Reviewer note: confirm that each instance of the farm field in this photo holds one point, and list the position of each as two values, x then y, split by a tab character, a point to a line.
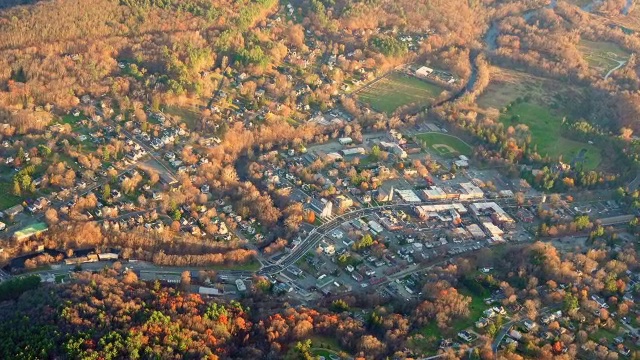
602	56
444	144
545	128
397	90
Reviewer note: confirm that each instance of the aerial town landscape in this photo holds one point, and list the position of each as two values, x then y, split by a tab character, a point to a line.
319	179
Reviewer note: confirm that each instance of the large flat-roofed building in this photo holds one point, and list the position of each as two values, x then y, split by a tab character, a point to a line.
494	211
202	290
434	193
494	231
408	195
476	231
470	191
353	151
443	212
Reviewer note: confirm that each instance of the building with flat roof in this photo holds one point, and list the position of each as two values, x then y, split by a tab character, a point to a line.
424	71
494	211
14	210
470	191
441	211
393	148
494	231
353	151
375	227
202	290
240	285
434	193
407	195
476	231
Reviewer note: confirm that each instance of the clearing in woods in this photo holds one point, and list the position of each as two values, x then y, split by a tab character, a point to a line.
541	104
602	56
396	90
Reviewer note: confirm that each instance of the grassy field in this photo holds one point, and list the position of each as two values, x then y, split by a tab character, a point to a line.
545	128
445	145
546	103
397	90
188	115
508	85
7	199
250	266
601	55
323	342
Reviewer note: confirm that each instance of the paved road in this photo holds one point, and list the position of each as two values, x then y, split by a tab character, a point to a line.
316	235
507	326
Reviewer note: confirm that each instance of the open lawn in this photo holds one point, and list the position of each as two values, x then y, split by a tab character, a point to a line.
541	104
323	342
398	90
601	55
508	85
187	115
604	334
545	128
7	199
250	266
444	144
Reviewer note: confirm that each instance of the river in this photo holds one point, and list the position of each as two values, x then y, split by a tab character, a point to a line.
627	7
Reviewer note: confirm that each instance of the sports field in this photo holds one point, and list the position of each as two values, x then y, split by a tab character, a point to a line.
545	128
444	144
398	90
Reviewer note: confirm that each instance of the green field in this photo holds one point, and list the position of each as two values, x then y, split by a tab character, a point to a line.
321	344
545	128
7	199
601	55
445	145
188	115
398	90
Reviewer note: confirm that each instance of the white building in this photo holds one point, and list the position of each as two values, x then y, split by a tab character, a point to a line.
435	193
408	195
209	291
470	191
353	151
345	140
424	71
240	285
